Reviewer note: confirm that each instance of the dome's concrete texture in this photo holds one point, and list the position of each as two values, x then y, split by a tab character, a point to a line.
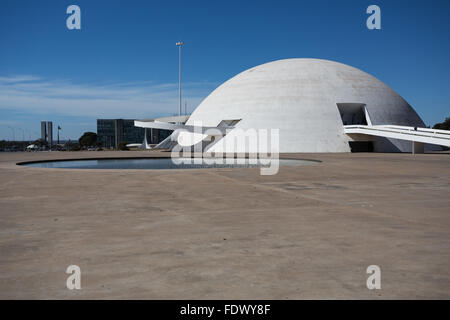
300	97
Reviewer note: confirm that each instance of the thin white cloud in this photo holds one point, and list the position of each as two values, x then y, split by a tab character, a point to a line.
5	123
36	95
18	78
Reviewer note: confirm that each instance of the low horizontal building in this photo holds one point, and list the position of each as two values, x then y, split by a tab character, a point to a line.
110	132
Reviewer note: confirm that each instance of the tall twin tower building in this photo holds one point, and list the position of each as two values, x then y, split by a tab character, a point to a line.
47	132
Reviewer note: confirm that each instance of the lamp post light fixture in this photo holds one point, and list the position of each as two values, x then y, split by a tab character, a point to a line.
179	44
14	132
23	134
29	134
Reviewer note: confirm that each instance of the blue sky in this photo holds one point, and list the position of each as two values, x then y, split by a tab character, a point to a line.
124	62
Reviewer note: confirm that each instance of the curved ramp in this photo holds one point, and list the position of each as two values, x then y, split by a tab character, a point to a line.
414	134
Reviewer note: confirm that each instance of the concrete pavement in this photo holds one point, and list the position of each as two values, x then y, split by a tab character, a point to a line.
307	232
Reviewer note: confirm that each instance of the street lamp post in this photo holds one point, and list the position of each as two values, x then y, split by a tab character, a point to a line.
14	132
179	44
23	134
29	135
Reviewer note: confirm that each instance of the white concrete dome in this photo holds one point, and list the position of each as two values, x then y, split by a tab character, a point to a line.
300	97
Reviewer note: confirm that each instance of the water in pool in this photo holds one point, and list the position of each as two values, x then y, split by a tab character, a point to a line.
157	163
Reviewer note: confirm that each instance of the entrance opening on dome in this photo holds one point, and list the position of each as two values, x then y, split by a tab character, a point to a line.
353	113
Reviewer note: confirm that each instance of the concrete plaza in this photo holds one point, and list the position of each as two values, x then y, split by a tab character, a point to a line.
307	232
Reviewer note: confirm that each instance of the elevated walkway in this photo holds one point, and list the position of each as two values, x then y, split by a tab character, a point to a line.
416	135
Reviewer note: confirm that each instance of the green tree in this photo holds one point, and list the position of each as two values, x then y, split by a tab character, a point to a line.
88	139
443	125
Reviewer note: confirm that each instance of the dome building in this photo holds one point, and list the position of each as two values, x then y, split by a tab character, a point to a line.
308	100
317	105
